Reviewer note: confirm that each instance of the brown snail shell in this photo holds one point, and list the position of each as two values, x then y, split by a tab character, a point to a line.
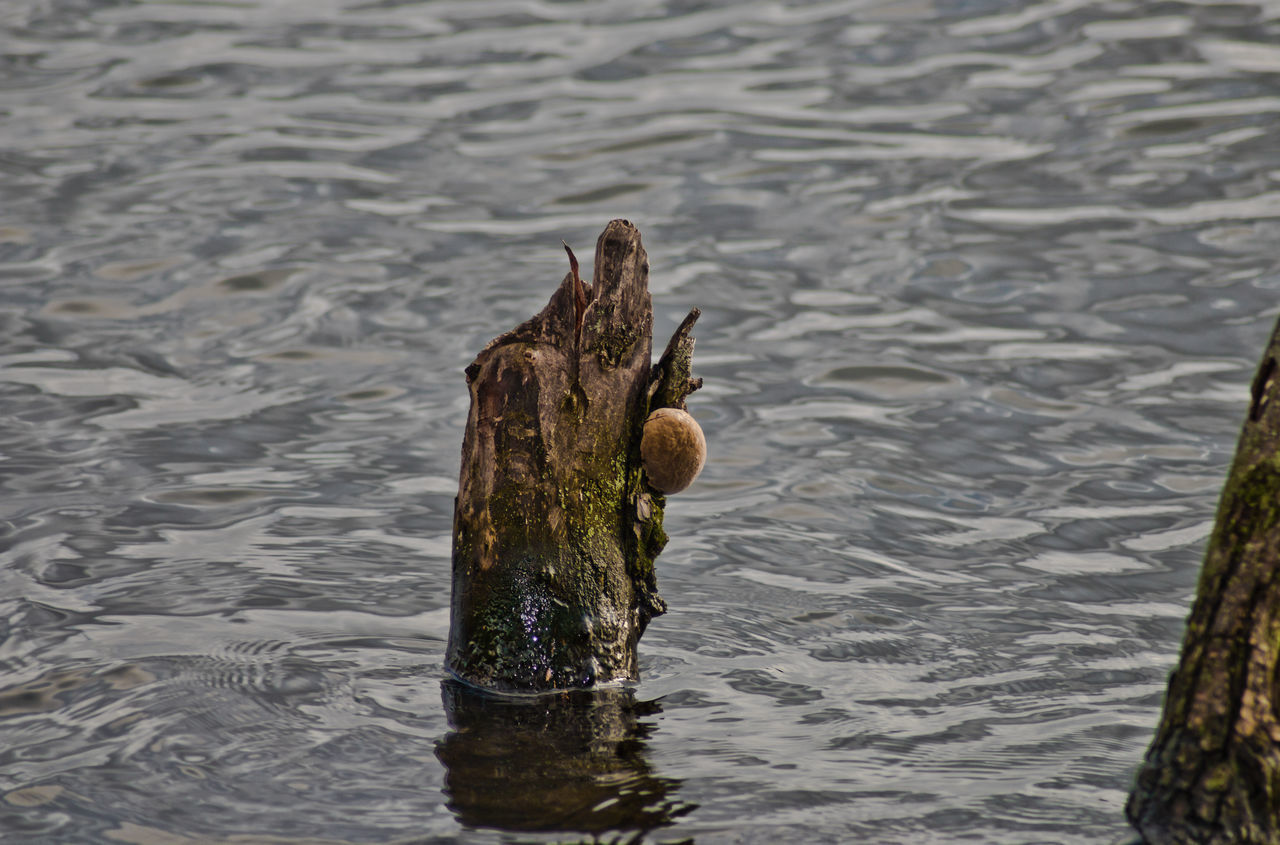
672	449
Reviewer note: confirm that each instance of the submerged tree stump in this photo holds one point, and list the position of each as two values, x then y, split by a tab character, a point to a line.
555	529
1212	774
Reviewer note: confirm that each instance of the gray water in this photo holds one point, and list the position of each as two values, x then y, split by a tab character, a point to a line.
983	285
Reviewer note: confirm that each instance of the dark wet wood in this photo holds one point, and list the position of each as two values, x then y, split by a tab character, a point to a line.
1212	774
554	532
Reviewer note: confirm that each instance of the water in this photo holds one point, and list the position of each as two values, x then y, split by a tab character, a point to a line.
983	287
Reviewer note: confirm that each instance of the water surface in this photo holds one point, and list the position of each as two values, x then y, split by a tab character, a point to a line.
983	287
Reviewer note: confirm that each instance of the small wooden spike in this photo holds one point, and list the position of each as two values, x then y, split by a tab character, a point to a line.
579	294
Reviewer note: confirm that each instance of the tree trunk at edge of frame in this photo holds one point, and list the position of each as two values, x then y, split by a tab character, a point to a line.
1212	774
555	528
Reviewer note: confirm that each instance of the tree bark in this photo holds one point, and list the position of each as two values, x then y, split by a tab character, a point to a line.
555	532
1212	774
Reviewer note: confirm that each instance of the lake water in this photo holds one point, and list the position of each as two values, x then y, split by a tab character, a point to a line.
983	284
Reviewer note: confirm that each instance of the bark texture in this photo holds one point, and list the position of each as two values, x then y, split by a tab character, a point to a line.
1212	774
555	532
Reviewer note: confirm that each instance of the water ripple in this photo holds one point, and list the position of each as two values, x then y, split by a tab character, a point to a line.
983	287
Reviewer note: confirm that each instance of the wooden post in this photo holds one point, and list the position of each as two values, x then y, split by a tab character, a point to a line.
1212	774
555	529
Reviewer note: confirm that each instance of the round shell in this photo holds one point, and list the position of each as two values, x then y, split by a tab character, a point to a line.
672	449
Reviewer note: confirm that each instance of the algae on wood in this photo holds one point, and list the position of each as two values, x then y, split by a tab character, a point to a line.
555	532
1212	774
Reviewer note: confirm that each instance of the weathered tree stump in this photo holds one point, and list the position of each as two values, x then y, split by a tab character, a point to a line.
555	529
1212	774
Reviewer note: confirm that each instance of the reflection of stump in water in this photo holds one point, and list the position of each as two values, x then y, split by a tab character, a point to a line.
572	761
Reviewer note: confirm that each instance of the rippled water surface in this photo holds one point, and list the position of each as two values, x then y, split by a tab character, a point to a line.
983	287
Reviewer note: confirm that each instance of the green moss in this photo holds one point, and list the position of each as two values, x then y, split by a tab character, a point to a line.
1218	778
1258	498
532	620
1249	511
675	383
615	344
563	612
